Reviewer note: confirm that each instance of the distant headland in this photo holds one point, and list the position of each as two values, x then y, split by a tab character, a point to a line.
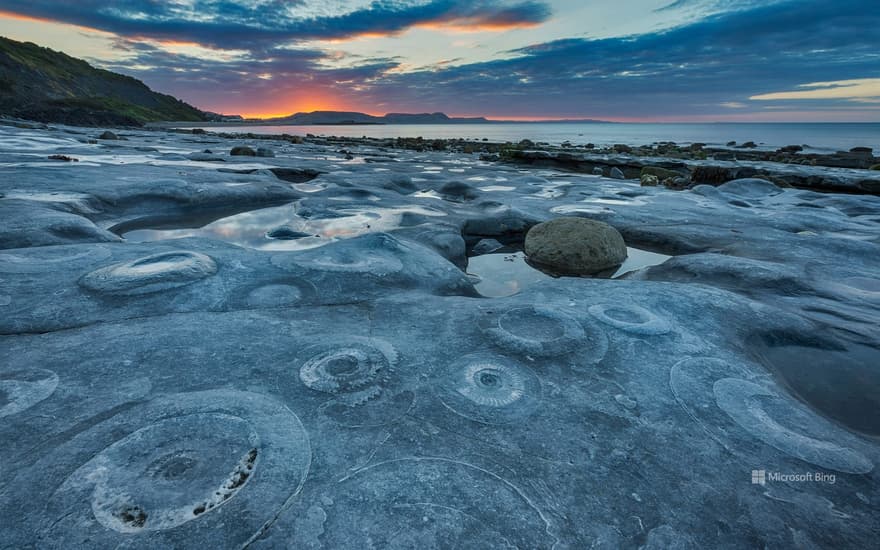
351	118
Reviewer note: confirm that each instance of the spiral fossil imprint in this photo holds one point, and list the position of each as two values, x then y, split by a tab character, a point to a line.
488	389
726	399
196	459
538	331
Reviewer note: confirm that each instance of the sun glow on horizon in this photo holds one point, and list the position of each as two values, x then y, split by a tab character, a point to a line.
297	104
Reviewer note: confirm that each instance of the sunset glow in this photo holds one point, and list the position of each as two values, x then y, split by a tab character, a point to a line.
508	59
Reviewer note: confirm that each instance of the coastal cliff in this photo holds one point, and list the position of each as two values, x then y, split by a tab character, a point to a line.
41	84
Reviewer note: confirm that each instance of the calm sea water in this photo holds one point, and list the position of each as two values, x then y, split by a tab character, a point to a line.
822	137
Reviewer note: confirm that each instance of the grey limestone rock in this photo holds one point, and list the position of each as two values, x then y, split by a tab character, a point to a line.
178	371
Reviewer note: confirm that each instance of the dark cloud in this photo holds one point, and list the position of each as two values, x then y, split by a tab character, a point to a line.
716	5
688	70
255	23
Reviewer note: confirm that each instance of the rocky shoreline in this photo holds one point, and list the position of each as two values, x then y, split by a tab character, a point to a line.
275	341
676	167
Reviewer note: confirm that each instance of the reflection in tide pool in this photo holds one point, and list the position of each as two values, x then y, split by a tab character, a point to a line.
245	229
842	384
506	274
503	274
250	229
637	259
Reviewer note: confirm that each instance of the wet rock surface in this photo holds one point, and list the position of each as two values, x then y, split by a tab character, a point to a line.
846	174
287	352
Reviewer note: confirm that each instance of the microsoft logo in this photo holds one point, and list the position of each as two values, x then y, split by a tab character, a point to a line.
759	477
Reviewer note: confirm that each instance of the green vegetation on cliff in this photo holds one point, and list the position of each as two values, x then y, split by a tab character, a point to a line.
41	84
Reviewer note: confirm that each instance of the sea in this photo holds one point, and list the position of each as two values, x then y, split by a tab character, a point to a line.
814	137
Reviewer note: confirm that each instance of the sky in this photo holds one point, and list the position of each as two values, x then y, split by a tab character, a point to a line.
621	60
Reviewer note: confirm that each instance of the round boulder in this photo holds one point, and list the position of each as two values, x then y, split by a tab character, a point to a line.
242	151
575	246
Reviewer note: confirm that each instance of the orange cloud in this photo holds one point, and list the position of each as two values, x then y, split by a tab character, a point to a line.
166	43
19	17
452	24
31	19
475	25
366	35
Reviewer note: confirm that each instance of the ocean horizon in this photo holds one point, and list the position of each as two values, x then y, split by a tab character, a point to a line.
821	137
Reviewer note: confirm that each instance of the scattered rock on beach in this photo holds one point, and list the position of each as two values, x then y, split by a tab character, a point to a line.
108	135
617	173
576	246
724	156
713	175
242	151
264	152
660	173
494	219
205	156
486	246
458	192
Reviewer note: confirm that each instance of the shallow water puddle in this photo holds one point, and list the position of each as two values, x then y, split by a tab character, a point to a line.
490	188
616	202
637	259
253	229
503	274
582	209
842	384
506	274
427	194
245	229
